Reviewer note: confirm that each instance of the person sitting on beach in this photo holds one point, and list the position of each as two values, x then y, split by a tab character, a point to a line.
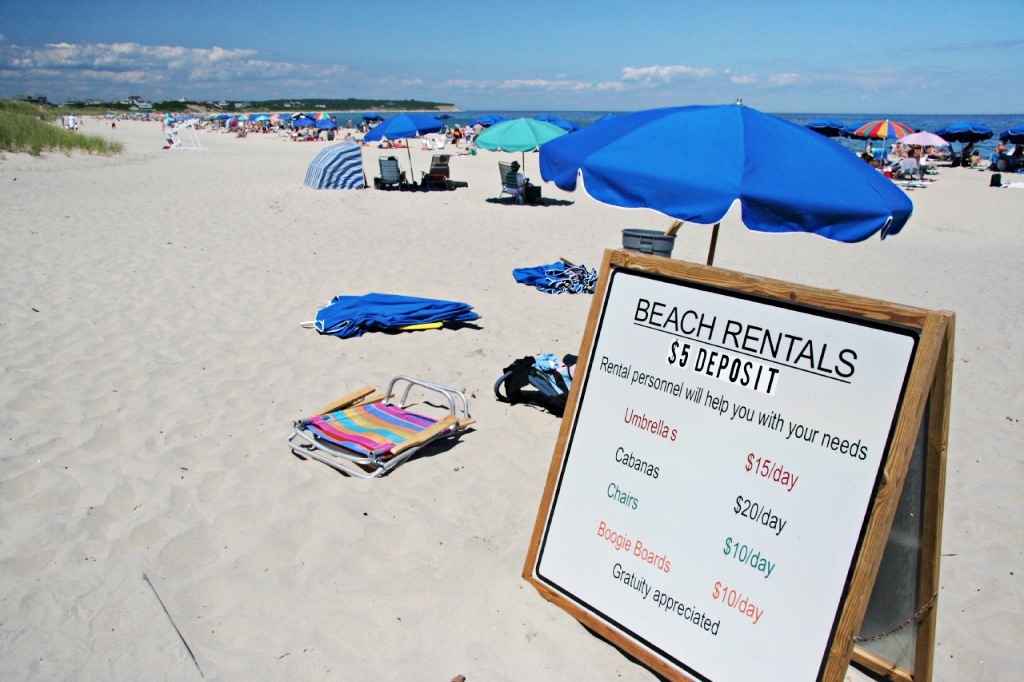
519	191
1015	161
869	159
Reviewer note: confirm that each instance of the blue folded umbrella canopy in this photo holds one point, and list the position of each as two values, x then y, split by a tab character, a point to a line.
349	316
692	163
558	277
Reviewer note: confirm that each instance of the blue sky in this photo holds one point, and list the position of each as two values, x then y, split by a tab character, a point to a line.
854	56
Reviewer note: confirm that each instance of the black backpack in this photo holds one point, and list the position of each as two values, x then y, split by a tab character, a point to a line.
996	180
550	388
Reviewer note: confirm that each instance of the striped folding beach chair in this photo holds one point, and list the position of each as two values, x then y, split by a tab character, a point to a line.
366	435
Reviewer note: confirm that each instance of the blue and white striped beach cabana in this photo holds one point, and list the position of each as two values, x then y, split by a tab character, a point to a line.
339	166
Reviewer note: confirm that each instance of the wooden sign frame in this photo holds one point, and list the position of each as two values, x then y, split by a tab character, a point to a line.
920	421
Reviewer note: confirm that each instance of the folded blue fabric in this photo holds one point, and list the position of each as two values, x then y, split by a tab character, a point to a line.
558	277
349	316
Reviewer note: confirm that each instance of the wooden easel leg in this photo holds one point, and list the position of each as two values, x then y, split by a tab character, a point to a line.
714	243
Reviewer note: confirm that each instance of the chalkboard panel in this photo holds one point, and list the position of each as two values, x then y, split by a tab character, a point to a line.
711	492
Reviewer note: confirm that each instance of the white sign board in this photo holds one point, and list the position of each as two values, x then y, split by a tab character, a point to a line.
717	477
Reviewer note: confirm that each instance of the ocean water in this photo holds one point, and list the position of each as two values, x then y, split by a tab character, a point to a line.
930	123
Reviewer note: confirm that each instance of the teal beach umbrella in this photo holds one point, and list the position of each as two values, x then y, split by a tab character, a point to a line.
518	135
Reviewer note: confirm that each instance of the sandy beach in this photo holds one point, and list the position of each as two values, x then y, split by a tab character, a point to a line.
154	360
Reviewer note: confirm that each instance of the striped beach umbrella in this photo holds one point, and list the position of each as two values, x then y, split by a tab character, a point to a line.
882	130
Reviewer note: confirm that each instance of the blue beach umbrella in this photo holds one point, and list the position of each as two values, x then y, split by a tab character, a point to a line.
1014	135
489	120
759	160
402	127
561	123
829	127
964	132
848	130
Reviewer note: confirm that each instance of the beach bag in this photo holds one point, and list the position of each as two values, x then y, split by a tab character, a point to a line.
996	180
542	380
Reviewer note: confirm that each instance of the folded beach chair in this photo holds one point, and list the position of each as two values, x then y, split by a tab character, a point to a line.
367	436
439	173
390	174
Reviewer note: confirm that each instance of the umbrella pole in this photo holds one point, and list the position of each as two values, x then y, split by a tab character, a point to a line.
714	243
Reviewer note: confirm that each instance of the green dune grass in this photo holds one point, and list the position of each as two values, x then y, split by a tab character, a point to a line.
25	128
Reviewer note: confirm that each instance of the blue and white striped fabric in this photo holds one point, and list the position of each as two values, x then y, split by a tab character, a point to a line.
339	166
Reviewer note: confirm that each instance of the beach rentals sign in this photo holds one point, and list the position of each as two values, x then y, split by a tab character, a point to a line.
730	466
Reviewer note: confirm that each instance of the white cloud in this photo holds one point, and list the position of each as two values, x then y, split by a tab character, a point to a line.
665	74
465	84
542	84
783	79
86	68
